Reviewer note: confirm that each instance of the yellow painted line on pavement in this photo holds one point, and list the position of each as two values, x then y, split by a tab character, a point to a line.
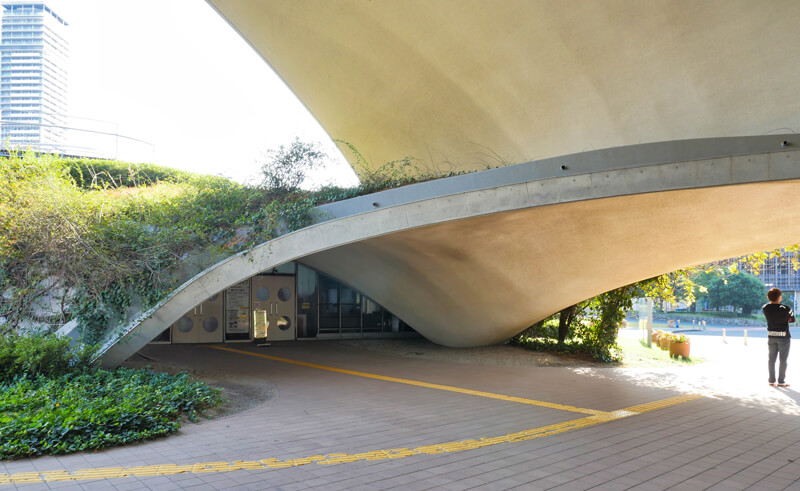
596	417
652	406
336	458
417	383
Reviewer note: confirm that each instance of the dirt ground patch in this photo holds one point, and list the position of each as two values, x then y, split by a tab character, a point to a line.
498	355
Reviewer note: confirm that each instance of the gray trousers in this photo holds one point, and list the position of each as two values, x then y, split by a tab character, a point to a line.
778	346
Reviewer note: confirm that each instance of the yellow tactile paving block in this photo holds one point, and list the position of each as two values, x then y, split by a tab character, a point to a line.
273	463
335	458
596	417
417	383
652	406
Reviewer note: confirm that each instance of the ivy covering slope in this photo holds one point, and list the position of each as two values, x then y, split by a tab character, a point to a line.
98	247
100	241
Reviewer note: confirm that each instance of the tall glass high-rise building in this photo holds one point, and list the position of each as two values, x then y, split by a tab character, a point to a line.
33	77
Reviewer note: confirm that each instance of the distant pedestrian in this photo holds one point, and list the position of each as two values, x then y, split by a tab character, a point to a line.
779	338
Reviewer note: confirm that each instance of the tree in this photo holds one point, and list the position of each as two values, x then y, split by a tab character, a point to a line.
565	319
599	335
288	167
742	290
287	207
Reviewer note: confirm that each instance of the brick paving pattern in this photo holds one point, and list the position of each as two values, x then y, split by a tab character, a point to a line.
741	434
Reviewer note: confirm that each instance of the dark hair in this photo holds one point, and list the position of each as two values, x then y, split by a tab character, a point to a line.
774	294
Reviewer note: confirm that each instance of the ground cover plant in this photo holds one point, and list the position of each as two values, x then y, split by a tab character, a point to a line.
53	400
98	247
98	241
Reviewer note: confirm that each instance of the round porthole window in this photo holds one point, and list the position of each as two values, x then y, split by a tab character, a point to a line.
211	324
262	293
284	294
284	323
184	324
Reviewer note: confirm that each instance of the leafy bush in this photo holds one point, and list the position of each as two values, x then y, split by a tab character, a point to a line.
74	412
53	400
47	356
599	335
592	332
111	247
544	329
93	174
288	167
571	346
388	175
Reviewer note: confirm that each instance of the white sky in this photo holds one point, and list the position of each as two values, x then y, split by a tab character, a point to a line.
174	74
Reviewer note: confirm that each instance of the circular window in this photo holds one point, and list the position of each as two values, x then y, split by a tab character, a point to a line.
211	324
213	297
284	323
184	324
284	294
262	293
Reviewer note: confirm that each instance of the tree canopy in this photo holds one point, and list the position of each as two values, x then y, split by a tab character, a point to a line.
742	290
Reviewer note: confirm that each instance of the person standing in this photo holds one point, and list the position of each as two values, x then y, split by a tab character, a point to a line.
779	338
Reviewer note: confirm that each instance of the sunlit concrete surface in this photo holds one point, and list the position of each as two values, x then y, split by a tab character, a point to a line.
466	83
324	428
475	267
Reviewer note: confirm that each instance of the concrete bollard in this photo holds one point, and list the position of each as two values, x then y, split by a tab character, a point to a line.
745	337
723	336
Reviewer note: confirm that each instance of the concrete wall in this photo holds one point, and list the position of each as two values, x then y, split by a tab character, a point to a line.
478	266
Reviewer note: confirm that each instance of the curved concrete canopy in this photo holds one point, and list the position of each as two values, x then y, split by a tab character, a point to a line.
466	83
476	267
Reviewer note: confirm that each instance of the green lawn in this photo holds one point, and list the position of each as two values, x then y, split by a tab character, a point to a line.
636	354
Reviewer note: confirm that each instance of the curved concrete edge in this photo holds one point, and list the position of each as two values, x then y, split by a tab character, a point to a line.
608	159
481	280
723	171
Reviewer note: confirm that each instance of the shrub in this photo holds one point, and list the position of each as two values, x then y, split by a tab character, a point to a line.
53	400
593	330
545	330
288	167
111	246
47	356
74	412
91	174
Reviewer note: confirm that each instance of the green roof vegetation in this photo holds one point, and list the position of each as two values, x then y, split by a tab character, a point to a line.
100	241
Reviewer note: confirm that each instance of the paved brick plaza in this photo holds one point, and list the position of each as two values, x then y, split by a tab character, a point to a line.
345	418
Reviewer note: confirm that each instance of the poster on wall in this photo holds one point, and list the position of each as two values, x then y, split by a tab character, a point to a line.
238	310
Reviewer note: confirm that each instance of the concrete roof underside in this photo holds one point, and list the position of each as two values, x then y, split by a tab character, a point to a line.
476	266
468	83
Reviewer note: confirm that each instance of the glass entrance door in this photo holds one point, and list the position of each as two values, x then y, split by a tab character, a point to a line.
274	297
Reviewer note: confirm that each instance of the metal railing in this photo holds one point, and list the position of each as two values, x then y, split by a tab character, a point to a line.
78	141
